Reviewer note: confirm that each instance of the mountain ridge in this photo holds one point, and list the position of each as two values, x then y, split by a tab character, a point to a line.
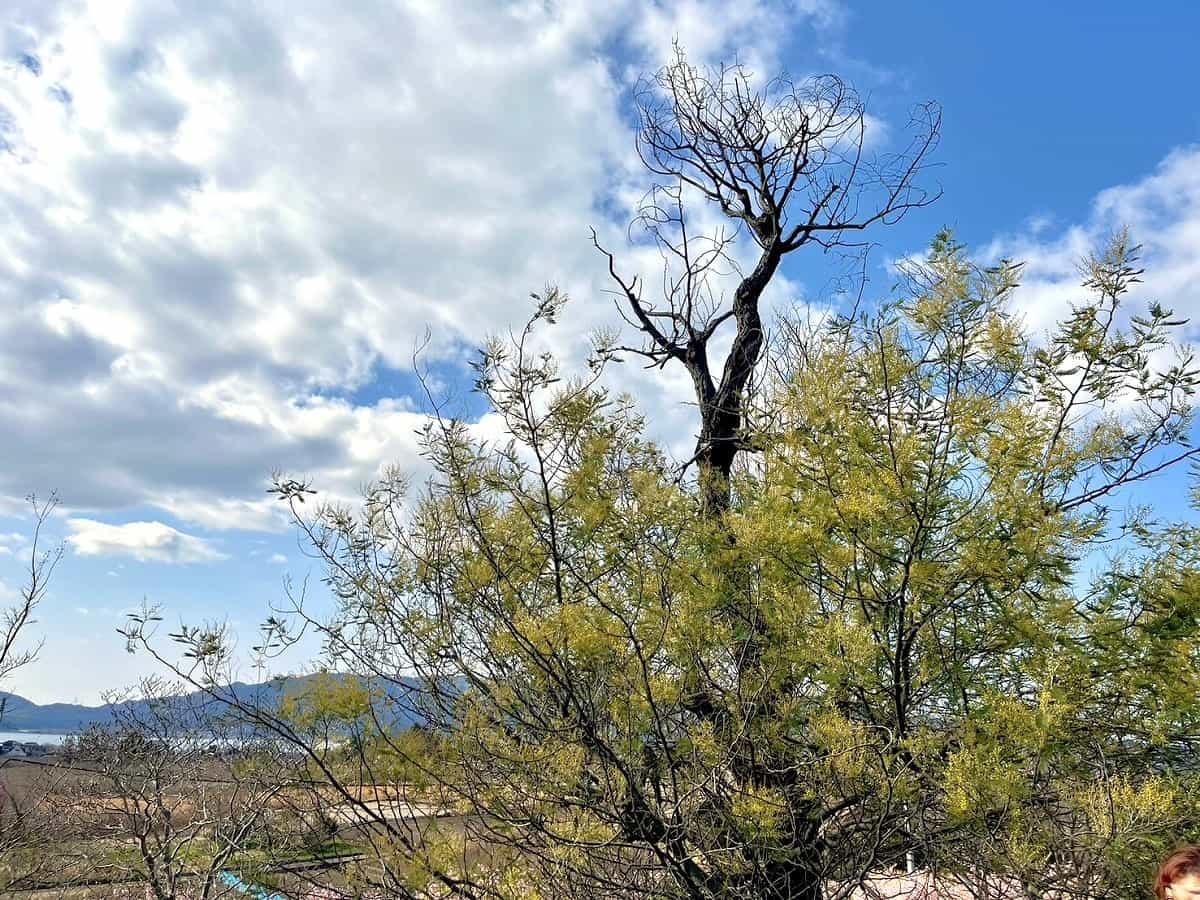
18	714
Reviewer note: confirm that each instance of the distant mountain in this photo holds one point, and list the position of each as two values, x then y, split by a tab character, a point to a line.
19	714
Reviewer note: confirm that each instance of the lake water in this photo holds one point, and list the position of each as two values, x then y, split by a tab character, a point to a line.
35	737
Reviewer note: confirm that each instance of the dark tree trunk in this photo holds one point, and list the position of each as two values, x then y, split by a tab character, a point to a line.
722	407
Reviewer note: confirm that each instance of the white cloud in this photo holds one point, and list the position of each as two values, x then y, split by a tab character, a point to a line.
144	541
277	558
1162	211
224	221
709	29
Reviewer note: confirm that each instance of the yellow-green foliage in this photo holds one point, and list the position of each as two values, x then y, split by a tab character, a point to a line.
888	637
979	781
327	698
439	852
1122	808
758	813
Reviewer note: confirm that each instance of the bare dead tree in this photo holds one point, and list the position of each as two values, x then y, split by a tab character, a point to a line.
786	163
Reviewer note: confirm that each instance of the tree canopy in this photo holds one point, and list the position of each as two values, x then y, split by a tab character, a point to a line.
909	637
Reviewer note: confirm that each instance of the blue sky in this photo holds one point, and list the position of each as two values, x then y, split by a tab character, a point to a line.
226	226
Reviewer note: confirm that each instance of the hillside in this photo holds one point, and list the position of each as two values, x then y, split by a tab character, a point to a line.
20	714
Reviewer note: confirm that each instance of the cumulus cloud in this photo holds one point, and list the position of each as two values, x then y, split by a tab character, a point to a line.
707	29
1161	211
224	225
144	541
